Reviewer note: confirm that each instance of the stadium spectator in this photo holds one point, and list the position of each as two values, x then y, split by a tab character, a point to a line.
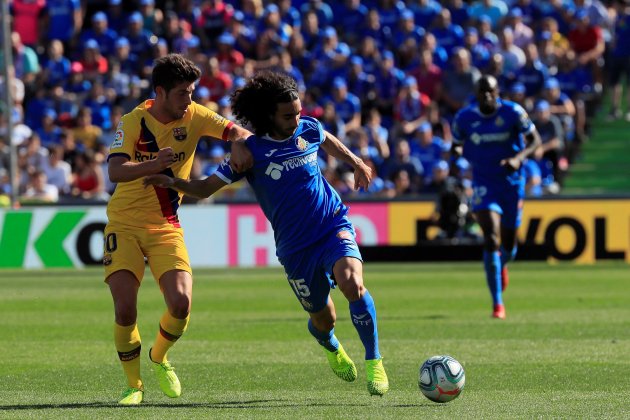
58	171
101	33
494	10
49	132
410	109
85	132
88	181
64	19
39	190
459	82
523	34
217	81
620	60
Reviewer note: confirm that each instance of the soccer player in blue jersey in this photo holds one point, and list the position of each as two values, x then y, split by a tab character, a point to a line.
315	241
496	136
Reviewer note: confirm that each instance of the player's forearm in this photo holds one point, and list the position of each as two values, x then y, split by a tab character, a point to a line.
198	188
130	171
236	133
335	148
533	143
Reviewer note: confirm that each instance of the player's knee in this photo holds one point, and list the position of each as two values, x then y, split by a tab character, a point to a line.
353	288
491	242
125	313
179	307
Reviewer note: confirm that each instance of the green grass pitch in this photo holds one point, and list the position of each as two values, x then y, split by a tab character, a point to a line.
562	352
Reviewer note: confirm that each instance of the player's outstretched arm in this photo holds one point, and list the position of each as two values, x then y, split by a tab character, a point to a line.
335	148
198	188
121	169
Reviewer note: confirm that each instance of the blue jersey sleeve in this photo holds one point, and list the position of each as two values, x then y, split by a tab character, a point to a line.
524	124
225	172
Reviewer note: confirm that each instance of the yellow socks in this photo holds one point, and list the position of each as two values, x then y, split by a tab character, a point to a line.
170	330
128	345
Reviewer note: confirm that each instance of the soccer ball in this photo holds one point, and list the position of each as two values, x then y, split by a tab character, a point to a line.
441	378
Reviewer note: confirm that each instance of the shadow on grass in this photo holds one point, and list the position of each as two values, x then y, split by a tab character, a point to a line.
274	403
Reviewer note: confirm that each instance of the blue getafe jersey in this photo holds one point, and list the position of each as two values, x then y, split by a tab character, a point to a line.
489	139
290	188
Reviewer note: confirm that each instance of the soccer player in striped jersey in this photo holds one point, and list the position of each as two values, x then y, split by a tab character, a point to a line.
496	136
315	241
159	136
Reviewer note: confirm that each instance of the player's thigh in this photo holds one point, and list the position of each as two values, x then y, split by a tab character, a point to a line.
512	205
166	251
122	251
342	260
307	278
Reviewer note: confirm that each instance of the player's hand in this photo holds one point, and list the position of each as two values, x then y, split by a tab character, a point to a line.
511	164
165	158
159	180
362	176
241	158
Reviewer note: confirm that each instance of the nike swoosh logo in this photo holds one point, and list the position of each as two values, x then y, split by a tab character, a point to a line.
271	152
146	142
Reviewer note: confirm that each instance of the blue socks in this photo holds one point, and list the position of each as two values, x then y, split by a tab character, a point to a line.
506	257
363	315
492	265
327	340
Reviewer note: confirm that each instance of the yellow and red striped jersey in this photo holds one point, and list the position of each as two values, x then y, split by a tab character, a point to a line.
139	136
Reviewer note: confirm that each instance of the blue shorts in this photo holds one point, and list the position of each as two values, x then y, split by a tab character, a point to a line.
310	271
505	199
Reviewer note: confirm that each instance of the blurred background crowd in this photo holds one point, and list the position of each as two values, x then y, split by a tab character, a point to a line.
385	76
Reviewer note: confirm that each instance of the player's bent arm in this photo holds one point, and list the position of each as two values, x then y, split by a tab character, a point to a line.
362	173
121	169
198	188
532	142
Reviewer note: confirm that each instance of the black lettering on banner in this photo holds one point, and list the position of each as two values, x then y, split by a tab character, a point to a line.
601	253
580	239
83	243
532	229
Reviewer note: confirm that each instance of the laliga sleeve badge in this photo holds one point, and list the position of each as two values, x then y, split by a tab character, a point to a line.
107	259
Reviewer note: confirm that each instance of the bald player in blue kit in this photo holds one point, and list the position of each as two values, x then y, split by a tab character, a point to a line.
315	241
496	136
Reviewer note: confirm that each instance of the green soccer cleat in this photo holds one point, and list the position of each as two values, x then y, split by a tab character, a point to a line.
131	396
341	364
169	383
377	383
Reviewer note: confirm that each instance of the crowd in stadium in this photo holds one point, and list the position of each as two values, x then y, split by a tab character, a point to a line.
385	76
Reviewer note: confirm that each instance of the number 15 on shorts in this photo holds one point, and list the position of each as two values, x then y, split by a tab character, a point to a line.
299	287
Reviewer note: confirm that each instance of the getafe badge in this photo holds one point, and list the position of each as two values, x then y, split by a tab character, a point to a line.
499	122
179	133
301	143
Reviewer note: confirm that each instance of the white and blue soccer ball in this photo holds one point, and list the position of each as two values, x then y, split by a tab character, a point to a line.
441	379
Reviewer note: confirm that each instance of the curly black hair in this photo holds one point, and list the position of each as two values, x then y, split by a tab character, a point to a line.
173	69
258	100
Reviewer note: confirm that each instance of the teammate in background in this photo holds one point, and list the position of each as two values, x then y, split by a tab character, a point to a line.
158	136
315	241
496	136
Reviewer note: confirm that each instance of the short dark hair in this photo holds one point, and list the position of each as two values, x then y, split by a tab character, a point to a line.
173	69
258	100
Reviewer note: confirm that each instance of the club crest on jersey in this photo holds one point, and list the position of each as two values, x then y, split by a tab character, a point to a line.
499	122
301	143
179	133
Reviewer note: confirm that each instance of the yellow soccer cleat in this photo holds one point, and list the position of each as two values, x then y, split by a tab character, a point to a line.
169	383
377	383
131	396
341	364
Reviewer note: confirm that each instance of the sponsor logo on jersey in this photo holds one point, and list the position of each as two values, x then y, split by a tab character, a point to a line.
143	157
119	137
274	170
489	137
301	143
179	133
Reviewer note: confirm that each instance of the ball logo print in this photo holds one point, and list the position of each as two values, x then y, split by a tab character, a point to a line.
441	379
